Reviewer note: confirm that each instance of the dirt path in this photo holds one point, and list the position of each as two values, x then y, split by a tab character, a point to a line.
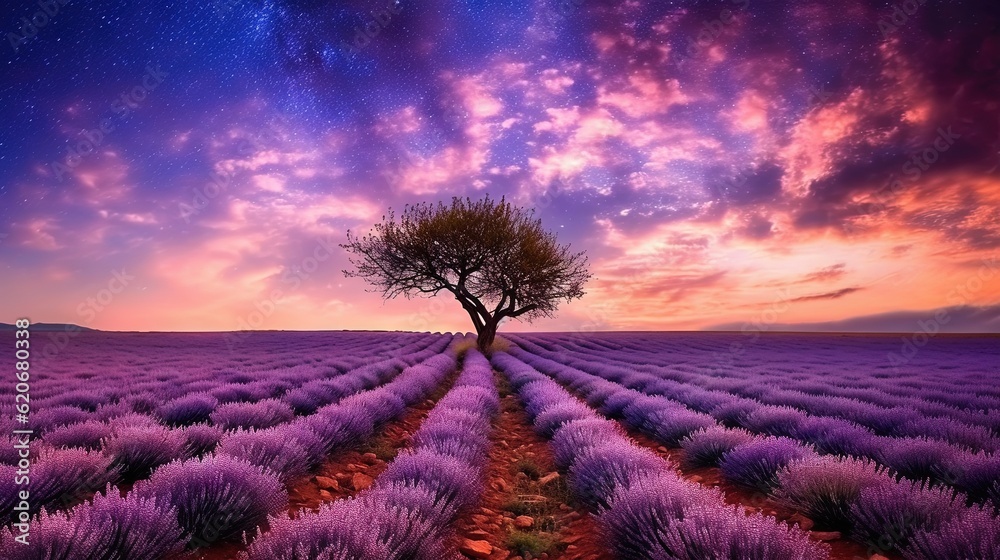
753	502
526	510
346	472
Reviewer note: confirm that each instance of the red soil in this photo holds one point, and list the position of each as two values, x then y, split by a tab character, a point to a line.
752	502
353	470
571	531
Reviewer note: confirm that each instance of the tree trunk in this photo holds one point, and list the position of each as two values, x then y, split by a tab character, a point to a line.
486	336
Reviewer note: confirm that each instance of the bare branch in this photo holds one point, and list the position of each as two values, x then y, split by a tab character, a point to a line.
493	257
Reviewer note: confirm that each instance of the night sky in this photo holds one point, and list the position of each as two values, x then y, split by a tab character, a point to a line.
191	165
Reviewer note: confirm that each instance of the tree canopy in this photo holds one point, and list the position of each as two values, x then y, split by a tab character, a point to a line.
493	257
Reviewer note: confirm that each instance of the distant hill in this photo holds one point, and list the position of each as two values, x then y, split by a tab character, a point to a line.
48	327
961	319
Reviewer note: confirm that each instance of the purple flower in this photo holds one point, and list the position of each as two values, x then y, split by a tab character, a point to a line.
130	527
920	459
85	435
260	414
599	471
53	536
979	477
824	488
201	438
64	477
576	436
549	420
338	426
887	515
360	528
189	409
270	449
232	393
137	450
216	497
669	422
775	420
726	533
974	535
455	484
639	513
705	447
48	419
734	414
456	440
756	464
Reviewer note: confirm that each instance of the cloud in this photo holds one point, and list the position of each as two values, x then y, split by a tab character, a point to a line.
832	272
829	295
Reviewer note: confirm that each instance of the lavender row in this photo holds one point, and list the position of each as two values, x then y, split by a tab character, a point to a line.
843	494
134	445
917	458
973	398
406	512
643	507
952	370
192	503
891	415
186	396
96	368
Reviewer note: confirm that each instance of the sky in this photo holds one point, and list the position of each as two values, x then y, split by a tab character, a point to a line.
737	164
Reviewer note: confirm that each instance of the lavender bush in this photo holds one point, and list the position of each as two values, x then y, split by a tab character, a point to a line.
85	435
599	470
705	447
756	464
189	409
260	414
216	498
719	533
272	450
887	515
824	488
137	450
577	436
201	438
64	477
975	534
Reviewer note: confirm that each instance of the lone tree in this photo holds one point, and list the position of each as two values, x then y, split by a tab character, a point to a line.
495	259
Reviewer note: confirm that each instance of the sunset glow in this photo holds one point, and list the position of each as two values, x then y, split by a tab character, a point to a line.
795	164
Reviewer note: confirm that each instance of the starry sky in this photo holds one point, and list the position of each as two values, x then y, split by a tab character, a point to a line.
789	165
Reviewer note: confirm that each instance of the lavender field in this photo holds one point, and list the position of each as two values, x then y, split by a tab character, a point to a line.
369	445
